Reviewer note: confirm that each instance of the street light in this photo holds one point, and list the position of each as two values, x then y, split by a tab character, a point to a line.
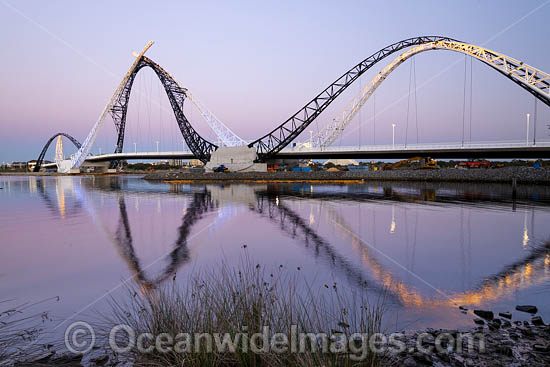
527	134
135	147
183	145
393	135
99	150
157	146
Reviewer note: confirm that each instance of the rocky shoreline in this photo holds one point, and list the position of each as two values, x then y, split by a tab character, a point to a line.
524	175
505	343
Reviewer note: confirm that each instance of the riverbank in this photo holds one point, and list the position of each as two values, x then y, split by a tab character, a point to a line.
525	175
498	342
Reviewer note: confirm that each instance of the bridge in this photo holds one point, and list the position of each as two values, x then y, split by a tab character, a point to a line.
276	143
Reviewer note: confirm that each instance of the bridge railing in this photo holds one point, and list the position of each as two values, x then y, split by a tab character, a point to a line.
421	146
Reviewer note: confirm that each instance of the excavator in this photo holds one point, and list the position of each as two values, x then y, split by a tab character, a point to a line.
423	163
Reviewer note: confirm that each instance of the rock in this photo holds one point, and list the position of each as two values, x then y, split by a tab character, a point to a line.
505	350
527	308
537	321
493	325
506	324
422	358
100	361
506	315
487	315
68	359
462	308
44	357
409	362
541	348
479	321
527	332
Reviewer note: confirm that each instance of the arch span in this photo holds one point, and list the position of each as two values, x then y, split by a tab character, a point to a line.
535	81
200	147
40	158
117	107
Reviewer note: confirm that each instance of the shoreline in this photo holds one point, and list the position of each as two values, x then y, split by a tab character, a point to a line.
521	175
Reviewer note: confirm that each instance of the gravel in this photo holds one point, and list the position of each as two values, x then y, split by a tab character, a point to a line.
503	175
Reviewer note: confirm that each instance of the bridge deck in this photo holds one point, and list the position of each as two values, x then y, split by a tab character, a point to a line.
505	150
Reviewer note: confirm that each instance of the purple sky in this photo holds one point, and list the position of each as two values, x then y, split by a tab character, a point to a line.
255	63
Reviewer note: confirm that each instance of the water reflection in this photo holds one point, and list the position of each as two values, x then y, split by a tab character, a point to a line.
319	220
179	256
269	202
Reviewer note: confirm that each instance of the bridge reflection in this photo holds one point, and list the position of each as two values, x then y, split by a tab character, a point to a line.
272	202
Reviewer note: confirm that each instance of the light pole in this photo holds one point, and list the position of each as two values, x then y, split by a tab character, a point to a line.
157	146
135	147
183	145
527	134
393	135
99	150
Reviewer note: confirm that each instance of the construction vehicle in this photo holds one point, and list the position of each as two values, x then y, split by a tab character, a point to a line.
420	163
221	168
474	164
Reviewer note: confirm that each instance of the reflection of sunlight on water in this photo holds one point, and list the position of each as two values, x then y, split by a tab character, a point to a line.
392	225
525	232
520	276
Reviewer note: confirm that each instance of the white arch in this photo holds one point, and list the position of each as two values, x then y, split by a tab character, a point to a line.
224	134
527	76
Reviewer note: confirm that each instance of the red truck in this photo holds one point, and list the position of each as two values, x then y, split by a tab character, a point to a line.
474	164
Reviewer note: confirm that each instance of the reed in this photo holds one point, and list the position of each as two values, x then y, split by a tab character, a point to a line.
249	297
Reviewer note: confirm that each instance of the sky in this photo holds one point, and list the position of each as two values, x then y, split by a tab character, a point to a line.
255	63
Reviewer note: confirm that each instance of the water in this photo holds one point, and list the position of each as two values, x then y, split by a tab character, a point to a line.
431	247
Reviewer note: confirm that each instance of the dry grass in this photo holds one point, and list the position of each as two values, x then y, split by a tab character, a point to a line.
229	299
18	331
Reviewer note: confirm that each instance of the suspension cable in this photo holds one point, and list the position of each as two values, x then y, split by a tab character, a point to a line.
360	112
408	106
415	100
149	94
464	101
535	124
374	119
471	94
160	117
139	107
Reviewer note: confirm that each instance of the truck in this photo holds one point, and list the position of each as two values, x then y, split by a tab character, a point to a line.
474	164
221	168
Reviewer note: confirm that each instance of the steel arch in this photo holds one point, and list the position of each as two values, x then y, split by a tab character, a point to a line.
43	152
531	79
200	147
524	75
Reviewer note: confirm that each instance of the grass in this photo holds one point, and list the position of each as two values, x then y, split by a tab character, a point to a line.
248	297
18	332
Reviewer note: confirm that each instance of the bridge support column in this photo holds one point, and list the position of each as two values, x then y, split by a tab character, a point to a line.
96	167
237	159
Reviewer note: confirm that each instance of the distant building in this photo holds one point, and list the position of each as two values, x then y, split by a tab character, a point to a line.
342	162
19	165
176	162
160	163
31	165
196	163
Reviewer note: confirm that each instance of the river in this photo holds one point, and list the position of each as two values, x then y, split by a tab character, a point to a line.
426	247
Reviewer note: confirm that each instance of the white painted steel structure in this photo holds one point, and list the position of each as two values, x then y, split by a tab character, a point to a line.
388	148
533	78
225	135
